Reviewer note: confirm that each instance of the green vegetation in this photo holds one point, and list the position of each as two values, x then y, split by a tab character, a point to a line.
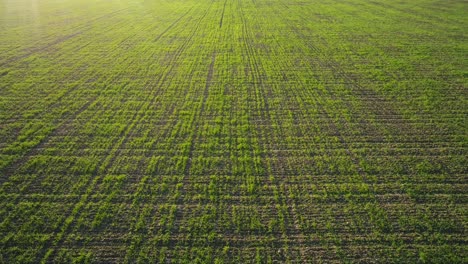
233	131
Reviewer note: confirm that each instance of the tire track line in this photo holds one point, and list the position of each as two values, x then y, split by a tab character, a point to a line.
273	181
172	25
10	169
81	28
195	135
222	15
174	59
50	251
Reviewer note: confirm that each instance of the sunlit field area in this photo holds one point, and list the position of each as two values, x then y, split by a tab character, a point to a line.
233	131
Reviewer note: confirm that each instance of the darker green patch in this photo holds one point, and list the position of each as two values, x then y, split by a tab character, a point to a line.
4	73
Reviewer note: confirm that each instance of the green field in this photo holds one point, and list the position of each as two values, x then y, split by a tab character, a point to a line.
233	131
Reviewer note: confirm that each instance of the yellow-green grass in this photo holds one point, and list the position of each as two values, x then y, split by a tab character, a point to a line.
233	131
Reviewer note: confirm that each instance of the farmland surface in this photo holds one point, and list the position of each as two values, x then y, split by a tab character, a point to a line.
233	131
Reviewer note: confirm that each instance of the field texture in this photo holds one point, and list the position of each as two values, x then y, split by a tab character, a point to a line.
233	131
